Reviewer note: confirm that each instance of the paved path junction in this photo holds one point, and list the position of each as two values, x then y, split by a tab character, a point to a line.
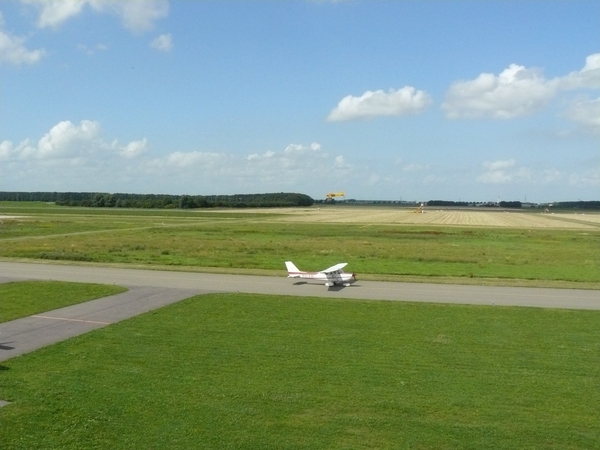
151	289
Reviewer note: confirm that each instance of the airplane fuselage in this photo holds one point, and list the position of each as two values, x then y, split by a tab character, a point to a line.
334	276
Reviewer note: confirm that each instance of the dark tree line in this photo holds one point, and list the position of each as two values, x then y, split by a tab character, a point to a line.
515	204
578	205
104	200
446	203
581	205
281	199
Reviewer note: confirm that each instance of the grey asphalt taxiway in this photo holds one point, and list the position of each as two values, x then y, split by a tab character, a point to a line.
151	289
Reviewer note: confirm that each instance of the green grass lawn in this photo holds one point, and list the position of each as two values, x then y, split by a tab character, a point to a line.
253	242
22	299
251	371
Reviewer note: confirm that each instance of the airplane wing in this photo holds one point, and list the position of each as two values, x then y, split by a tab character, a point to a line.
335	268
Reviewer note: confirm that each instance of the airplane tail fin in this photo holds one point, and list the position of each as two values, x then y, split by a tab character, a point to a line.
291	268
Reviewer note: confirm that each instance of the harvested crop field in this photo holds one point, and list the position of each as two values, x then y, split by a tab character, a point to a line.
486	218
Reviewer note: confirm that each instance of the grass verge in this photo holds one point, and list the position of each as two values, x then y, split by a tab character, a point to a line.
555	255
254	371
256	242
22	299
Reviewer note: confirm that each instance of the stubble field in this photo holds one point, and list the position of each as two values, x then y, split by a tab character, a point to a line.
454	217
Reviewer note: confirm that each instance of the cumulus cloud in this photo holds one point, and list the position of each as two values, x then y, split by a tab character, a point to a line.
65	138
503	171
53	13
22	151
134	149
410	167
340	163
163	43
586	113
91	50
13	50
136	15
293	165
406	100
201	160
69	141
516	91
498	165
587	77
590	177
302	149
550	175
77	156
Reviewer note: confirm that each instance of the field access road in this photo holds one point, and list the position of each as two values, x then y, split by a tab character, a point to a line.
151	289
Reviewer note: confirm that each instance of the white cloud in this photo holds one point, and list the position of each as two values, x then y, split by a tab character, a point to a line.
54	13
498	165
373	179
23	151
406	100
136	15
517	91
303	149
66	138
70	142
76	156
163	43
495	177
91	50
203	160
134	149
433	179
551	175
586	113
13	50
503	171
588	77
341	164
590	177
270	170
509	173
410	167
268	154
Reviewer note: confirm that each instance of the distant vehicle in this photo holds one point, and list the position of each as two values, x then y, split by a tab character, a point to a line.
334	276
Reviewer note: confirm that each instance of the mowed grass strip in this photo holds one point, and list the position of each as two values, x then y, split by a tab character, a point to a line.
24	298
252	371
388	250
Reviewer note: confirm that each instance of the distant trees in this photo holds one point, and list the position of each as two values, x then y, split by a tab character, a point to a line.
281	199
446	203
577	205
105	200
515	204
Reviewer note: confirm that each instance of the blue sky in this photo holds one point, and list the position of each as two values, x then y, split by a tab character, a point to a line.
412	100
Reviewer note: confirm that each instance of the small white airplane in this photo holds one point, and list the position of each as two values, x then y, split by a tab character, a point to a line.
332	276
